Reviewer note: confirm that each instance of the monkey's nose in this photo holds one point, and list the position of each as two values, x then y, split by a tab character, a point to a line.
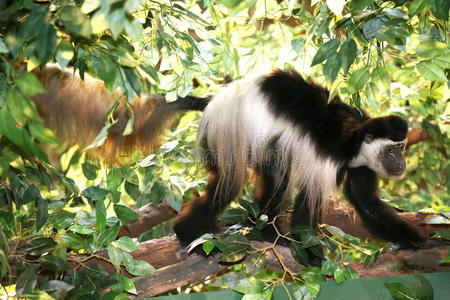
401	166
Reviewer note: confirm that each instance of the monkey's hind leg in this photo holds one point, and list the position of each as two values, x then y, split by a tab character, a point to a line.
304	215
271	189
201	216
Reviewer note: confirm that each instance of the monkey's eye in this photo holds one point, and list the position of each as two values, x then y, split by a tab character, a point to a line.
390	149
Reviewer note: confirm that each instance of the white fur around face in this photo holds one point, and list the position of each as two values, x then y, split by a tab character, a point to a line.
369	156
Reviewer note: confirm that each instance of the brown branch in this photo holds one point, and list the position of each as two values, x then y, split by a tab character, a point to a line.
337	214
150	217
416	135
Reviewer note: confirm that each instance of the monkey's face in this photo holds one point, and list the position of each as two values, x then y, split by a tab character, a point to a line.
383	156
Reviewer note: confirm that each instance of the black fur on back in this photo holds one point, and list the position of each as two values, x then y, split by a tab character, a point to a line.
333	126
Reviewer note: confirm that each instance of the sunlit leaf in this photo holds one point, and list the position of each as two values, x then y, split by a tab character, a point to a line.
29	84
431	71
325	51
339	275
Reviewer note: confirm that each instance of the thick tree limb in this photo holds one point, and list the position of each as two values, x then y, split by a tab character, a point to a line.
150	217
337	214
416	135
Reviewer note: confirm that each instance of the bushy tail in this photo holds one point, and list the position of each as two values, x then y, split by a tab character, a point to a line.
76	110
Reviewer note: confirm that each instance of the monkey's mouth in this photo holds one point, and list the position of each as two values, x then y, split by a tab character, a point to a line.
397	174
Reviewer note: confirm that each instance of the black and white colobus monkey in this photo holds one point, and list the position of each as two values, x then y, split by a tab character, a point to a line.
297	142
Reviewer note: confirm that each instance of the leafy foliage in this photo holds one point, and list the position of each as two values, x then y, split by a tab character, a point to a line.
384	56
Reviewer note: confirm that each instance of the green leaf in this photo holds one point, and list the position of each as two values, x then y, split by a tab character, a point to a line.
300	230
75	241
26	282
40	245
29	84
399	291
46	43
114	179
41	213
62	220
312	274
95	193
233	255
352	239
100	216
430	48
115	255
139	267
440	9
117	20
348	53
328	267
32	194
350	273
53	263
233	216
75	21
299	253
358	80
21	107
254	263
109	235
89	170
309	240
325	51
380	77
64	53
56	288
313	288
132	189
373	95
443	61
431	71
125	214
18	135
235	241
208	246
124	284
173	201
3	47
81	229
127	244
422	288
251	207
134	30
42	133
157	193
332	66
339	275
106	70
416	7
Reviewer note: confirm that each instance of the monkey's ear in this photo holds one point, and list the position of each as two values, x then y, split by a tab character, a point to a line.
368	137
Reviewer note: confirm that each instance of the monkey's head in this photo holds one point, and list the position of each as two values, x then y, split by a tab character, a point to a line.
383	142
